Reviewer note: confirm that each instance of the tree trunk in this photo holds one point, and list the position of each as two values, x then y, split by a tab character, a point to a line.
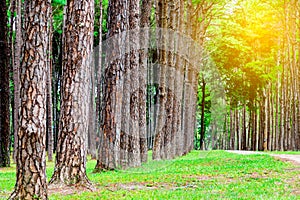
277	117
298	87
187	85
16	48
266	116
110	133
169	137
99	78
145	27
31	154
91	147
232	131
244	130
125	130
202	124
56	83
49	97
70	166
237	129
254	128
134	150
4	88
250	128
158	148
178	85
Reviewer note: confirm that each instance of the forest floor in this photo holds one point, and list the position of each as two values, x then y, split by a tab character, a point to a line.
198	175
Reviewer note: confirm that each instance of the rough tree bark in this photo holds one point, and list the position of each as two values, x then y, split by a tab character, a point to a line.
170	77
4	88
134	155
125	130
109	151
31	151
70	166
16	48
158	148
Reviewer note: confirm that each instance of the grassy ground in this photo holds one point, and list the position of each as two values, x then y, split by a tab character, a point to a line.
199	175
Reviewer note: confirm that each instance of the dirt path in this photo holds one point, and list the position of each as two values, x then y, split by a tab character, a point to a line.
284	157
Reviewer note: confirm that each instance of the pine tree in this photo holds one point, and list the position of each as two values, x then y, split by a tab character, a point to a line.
70	165
31	151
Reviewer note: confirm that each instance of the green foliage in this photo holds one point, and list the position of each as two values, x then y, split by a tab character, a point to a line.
245	47
59	2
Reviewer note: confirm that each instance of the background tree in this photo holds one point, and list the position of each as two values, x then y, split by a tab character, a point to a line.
4	89
161	20
255	51
144	54
109	150
50	138
16	43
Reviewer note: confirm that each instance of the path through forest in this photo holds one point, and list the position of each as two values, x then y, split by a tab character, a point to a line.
284	157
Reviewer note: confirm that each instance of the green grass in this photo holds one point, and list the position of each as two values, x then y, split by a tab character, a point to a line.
198	175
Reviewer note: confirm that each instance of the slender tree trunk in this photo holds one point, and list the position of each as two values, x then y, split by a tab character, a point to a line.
12	46
4	88
125	130
187	84
56	83
244	130
282	111
144	42
250	128
294	69
70	166
298	84
225	133
232	131
92	149
31	154
49	96
277	117
202	125
254	129
261	125
266	116
237	128
178	85
99	79
16	72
